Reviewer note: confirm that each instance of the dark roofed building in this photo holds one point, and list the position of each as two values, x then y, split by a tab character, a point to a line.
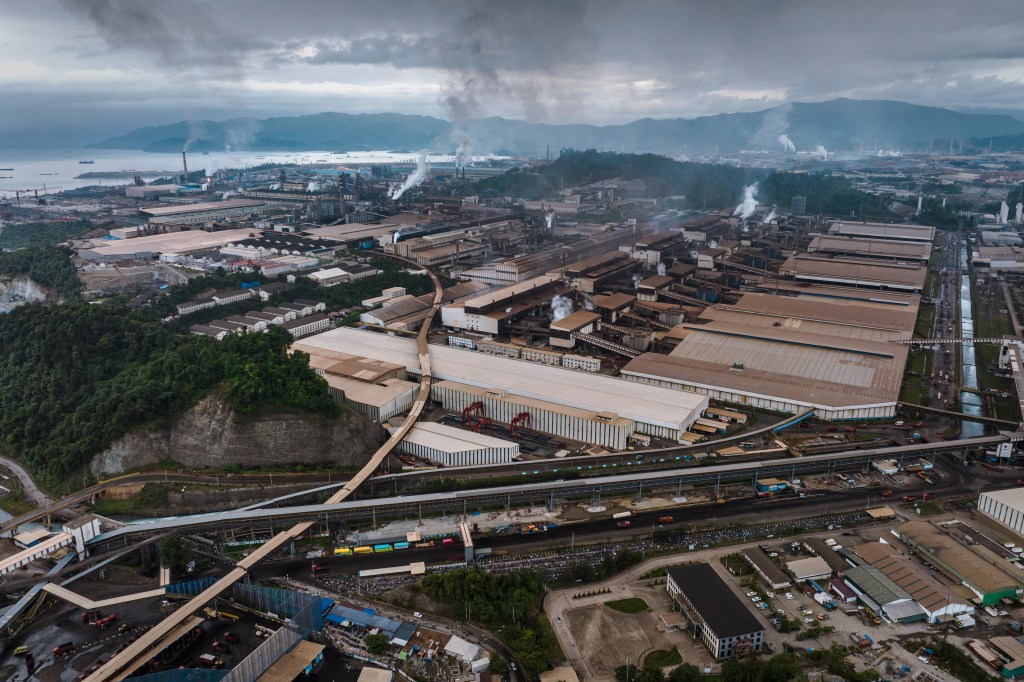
714	614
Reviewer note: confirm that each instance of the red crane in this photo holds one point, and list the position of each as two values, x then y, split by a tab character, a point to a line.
521	418
485	424
467	414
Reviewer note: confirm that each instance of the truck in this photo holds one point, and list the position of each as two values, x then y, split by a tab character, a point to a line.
861	640
64	648
825	600
104	622
623	524
622	515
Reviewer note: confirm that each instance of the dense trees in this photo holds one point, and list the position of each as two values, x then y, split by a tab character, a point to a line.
175	553
16	236
75	377
49	266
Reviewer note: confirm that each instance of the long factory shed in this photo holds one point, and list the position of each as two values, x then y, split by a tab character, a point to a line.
654	410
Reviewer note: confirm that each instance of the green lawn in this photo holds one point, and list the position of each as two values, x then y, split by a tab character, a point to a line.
631	605
663	658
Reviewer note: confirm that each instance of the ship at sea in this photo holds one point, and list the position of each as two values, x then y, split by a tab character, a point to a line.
87	161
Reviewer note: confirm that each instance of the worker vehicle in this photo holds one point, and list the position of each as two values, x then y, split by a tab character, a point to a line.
318	567
224	615
623	524
104	622
622	515
64	648
220	647
909	498
21	651
666	519
886	493
230	637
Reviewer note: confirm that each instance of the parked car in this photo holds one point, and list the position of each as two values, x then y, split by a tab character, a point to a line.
230	637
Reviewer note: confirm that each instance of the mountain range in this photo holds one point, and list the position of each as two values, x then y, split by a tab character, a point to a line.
837	125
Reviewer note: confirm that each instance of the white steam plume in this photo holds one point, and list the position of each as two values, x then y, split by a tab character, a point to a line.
693	254
588	305
787	143
276	185
561	306
465	143
636	281
713	244
313	186
889	153
549	219
414	179
821	152
749	204
661	268
770	217
229	193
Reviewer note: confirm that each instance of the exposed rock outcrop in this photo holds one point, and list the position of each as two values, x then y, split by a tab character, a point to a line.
212	434
15	291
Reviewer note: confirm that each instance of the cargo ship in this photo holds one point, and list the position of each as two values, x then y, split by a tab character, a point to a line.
87	161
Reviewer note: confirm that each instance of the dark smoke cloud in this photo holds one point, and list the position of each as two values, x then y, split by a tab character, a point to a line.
180	34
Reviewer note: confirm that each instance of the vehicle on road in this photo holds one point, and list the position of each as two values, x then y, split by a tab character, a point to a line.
221	647
558	619
230	637
623	524
21	651
909	498
886	493
64	648
417	614
666	519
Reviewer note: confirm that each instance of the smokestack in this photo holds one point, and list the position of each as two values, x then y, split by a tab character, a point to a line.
184	163
1004	213
920	200
1019	218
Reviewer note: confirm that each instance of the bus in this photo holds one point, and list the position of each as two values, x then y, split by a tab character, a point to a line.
382	548
401	545
342	551
363	549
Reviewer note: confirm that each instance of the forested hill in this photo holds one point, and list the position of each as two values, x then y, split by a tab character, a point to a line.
75	377
48	266
693	185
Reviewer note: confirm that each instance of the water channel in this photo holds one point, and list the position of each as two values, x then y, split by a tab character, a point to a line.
970	402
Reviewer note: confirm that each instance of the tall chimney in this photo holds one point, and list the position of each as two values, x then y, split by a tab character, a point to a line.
184	163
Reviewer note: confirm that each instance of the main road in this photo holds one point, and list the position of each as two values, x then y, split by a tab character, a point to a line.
120	665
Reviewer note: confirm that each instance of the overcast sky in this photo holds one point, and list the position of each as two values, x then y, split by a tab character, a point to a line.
87	69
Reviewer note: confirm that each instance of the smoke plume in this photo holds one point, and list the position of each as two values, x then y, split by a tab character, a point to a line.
636	281
821	152
313	186
661	268
770	217
787	143
414	179
549	219
561	306
465	143
749	204
588	304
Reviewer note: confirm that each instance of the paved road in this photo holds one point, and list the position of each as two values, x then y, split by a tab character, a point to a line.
32	492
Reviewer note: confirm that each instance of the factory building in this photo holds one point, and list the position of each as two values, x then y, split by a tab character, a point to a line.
769	572
590	273
1005	507
934	599
376	390
780	369
973	565
903	233
304	326
1001	258
881	249
830	317
579	322
585	426
410	312
881	595
655	411
202	213
713	612
146	248
488	313
855	272
450	446
658	247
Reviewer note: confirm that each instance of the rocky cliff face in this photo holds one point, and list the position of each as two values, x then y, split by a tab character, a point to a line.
212	434
20	290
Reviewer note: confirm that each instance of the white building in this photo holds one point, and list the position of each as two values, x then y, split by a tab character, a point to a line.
451	446
1004	506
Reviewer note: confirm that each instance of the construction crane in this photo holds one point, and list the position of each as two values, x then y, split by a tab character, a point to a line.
33	191
521	418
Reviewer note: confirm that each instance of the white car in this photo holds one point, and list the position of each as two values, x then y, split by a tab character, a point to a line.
808	620
789	596
751	594
417	614
755	599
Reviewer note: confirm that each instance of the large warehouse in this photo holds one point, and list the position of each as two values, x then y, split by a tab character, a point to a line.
882	249
781	369
488	312
655	411
208	211
855	272
144	248
1004	506
903	233
457	447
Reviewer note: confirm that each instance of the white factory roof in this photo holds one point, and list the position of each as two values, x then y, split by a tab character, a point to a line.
1011	497
375	395
229	205
883	248
352	231
451	440
598	393
809	567
883	231
174	242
